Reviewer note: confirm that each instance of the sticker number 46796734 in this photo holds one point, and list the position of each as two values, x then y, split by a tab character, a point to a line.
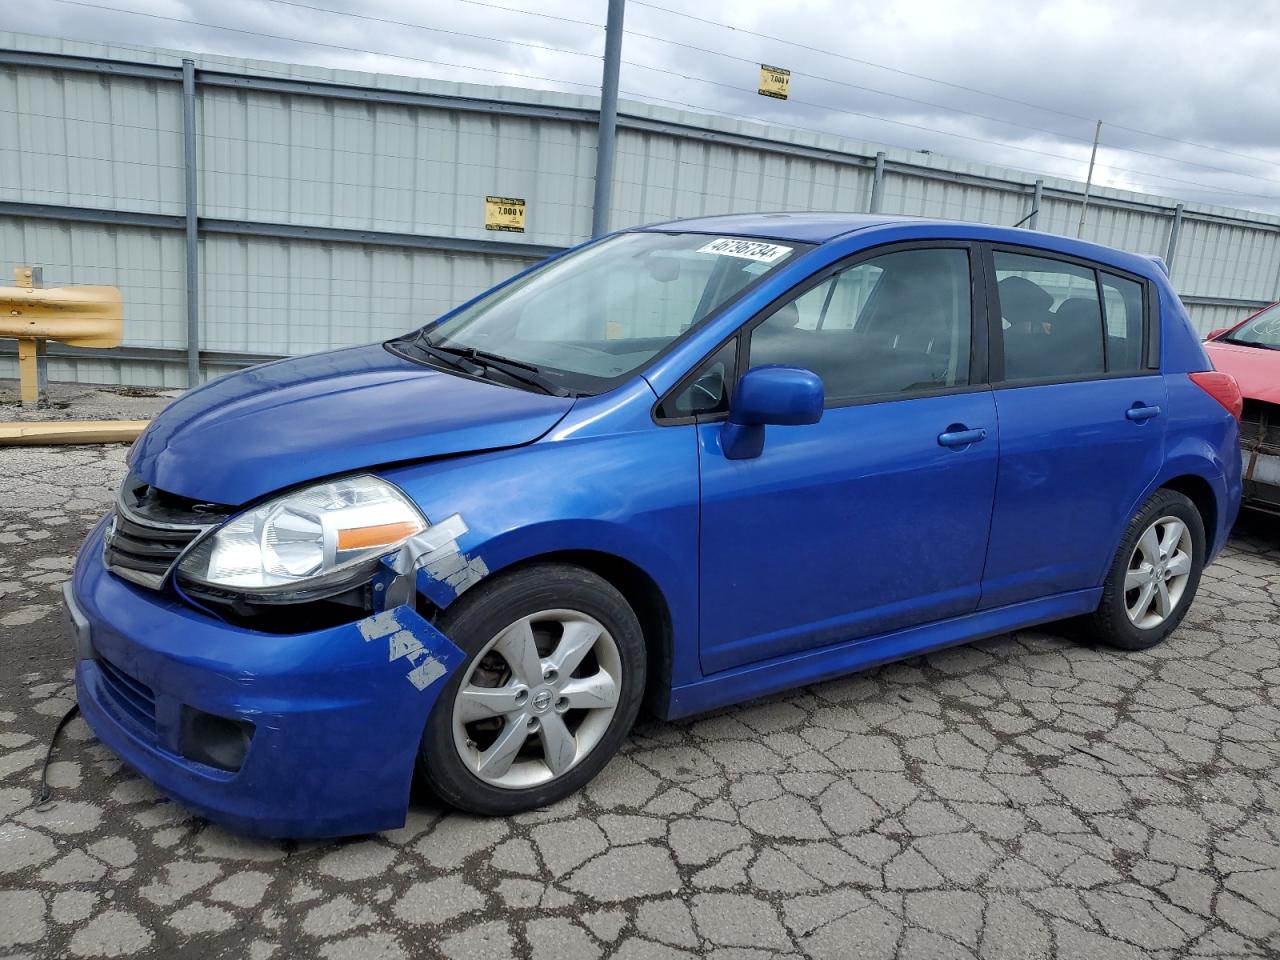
746	249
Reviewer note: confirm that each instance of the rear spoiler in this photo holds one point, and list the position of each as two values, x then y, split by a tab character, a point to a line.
1158	261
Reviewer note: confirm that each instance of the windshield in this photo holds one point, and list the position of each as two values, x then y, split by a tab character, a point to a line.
585	321
1262	331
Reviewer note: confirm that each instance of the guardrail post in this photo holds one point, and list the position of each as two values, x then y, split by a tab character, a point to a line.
1175	228
82	316
877	184
33	358
192	221
606	138
1033	219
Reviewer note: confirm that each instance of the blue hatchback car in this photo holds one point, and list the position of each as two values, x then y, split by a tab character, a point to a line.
689	464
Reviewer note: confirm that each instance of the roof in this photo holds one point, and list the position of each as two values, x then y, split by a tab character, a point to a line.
800	227
820	228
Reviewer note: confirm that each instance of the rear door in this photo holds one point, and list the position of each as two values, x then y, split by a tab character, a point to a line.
1081	419
875	518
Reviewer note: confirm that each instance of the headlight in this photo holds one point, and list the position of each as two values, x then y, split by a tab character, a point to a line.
326	535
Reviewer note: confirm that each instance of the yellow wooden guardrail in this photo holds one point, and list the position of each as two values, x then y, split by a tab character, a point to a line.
81	316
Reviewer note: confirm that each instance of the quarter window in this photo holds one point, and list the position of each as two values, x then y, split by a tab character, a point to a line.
1050	318
707	392
1122	300
895	324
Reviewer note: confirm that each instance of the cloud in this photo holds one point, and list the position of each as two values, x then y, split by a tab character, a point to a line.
1024	82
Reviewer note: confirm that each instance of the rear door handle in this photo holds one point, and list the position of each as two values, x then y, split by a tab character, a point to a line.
1140	412
958	436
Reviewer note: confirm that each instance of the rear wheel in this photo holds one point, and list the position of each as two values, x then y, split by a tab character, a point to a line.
1154	575
551	686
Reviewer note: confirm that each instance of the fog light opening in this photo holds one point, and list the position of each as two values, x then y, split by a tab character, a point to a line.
215	741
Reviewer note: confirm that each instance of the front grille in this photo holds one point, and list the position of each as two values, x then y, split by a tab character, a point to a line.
150	530
132	698
1260	426
141	553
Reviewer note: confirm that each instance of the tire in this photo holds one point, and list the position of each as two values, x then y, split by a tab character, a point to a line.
465	747
1114	622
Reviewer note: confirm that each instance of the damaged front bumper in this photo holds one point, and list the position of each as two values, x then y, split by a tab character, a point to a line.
1260	459
300	735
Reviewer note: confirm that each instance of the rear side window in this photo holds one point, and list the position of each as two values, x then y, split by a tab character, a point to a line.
1050	318
1062	321
895	324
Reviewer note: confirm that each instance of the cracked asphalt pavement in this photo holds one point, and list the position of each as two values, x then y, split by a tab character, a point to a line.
1027	796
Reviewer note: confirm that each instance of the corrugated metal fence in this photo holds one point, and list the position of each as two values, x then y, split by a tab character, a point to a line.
334	208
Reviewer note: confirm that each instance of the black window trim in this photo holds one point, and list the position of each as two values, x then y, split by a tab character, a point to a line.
995	340
979	327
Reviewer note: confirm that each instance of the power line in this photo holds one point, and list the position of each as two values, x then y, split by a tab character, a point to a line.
854	86
534	77
945	107
451	33
1053	156
320	43
532	13
945	83
960	136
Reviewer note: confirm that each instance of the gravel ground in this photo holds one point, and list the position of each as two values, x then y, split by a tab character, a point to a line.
1022	797
73	401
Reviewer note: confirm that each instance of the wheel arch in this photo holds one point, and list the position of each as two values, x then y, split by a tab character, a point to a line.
1199	491
642	594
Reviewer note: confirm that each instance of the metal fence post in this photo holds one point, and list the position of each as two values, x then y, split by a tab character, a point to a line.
606	138
192	223
1034	219
877	184
1175	228
33	358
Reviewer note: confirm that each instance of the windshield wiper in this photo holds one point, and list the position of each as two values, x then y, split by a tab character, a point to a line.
1249	343
526	373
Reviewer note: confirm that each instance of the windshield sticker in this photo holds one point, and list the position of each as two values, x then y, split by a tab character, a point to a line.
756	250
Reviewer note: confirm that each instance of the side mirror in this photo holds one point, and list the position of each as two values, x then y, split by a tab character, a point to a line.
787	396
1215	334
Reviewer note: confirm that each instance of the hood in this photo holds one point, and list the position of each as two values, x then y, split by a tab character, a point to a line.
1256	369
282	423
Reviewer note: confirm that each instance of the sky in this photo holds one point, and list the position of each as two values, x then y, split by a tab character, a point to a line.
1186	91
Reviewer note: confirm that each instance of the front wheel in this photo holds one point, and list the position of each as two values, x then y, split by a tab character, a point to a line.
552	683
1154	575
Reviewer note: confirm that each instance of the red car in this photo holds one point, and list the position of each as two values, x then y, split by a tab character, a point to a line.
1250	352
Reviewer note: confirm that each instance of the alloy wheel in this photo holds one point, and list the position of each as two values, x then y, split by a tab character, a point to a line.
1158	571
537	699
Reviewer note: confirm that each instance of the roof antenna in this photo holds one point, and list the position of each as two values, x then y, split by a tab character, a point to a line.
1027	217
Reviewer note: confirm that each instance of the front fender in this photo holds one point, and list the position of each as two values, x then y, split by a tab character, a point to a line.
633	496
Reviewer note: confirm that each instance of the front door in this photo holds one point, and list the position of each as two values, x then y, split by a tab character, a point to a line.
876	518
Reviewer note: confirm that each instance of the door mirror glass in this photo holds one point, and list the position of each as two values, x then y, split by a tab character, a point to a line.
786	396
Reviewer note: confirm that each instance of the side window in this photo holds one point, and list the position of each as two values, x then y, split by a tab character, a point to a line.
1122	302
708	391
1050	318
897	323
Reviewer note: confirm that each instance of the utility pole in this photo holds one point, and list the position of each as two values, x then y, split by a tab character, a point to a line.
606	139
191	221
1088	182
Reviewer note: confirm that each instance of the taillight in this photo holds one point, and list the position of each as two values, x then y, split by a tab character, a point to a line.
1223	388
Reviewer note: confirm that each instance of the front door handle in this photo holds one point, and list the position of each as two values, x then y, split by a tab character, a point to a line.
1140	412
958	435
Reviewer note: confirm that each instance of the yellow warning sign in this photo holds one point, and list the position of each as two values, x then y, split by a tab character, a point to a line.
504	213
774	82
